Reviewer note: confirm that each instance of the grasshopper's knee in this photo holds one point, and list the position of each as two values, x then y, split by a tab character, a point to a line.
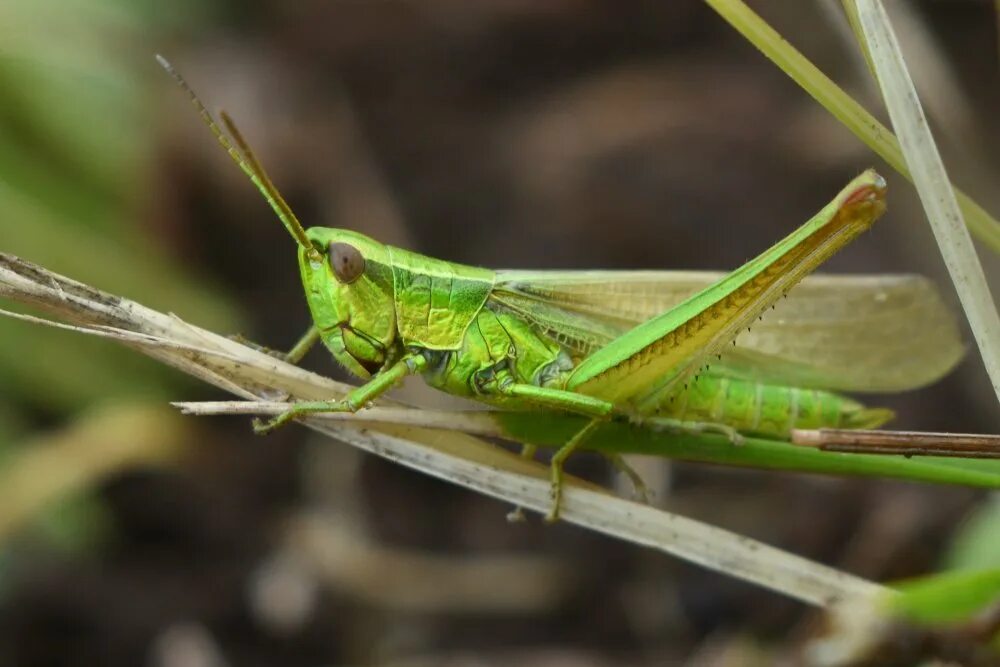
263	427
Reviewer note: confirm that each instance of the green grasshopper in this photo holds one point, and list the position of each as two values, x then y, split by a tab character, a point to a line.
613	345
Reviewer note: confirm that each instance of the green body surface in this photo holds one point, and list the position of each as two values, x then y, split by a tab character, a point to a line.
649	347
767	409
488	336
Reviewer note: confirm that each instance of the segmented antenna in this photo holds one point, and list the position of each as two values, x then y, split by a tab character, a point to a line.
246	161
255	164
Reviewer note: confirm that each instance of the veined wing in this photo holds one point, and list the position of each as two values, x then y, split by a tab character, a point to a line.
649	360
877	333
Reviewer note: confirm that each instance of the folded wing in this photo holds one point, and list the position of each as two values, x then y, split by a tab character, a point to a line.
867	333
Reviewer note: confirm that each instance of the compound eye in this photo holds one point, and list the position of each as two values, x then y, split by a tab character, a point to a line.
346	262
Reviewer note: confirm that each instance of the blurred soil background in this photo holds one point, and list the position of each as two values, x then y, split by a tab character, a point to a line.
502	133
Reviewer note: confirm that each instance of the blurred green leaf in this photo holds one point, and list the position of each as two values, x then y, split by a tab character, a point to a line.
976	544
948	597
75	159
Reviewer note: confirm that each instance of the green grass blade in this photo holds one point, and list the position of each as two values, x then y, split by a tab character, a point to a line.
554	430
853	116
947	597
976	543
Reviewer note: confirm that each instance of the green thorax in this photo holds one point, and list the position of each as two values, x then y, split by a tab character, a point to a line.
435	300
442	307
499	347
400	301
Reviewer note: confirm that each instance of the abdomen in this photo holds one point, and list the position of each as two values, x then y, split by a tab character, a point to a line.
765	409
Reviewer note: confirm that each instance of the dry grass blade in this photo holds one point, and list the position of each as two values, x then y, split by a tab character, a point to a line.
478	422
936	81
446	454
932	184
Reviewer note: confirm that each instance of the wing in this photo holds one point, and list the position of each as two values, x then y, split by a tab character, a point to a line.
877	333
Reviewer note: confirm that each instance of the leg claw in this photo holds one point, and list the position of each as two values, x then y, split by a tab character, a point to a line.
556	494
261	427
640	491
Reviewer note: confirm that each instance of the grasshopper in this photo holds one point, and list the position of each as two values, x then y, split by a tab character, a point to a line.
649	347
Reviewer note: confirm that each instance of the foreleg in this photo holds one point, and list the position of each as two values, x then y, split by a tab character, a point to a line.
353	401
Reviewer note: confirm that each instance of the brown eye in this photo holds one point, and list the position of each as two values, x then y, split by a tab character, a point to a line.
346	262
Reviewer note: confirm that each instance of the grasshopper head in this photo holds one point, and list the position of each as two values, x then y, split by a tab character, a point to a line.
346	275
349	287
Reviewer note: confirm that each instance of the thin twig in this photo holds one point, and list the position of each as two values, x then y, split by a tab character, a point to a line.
902	443
466	421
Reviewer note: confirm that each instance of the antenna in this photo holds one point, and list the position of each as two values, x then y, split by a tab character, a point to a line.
246	161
